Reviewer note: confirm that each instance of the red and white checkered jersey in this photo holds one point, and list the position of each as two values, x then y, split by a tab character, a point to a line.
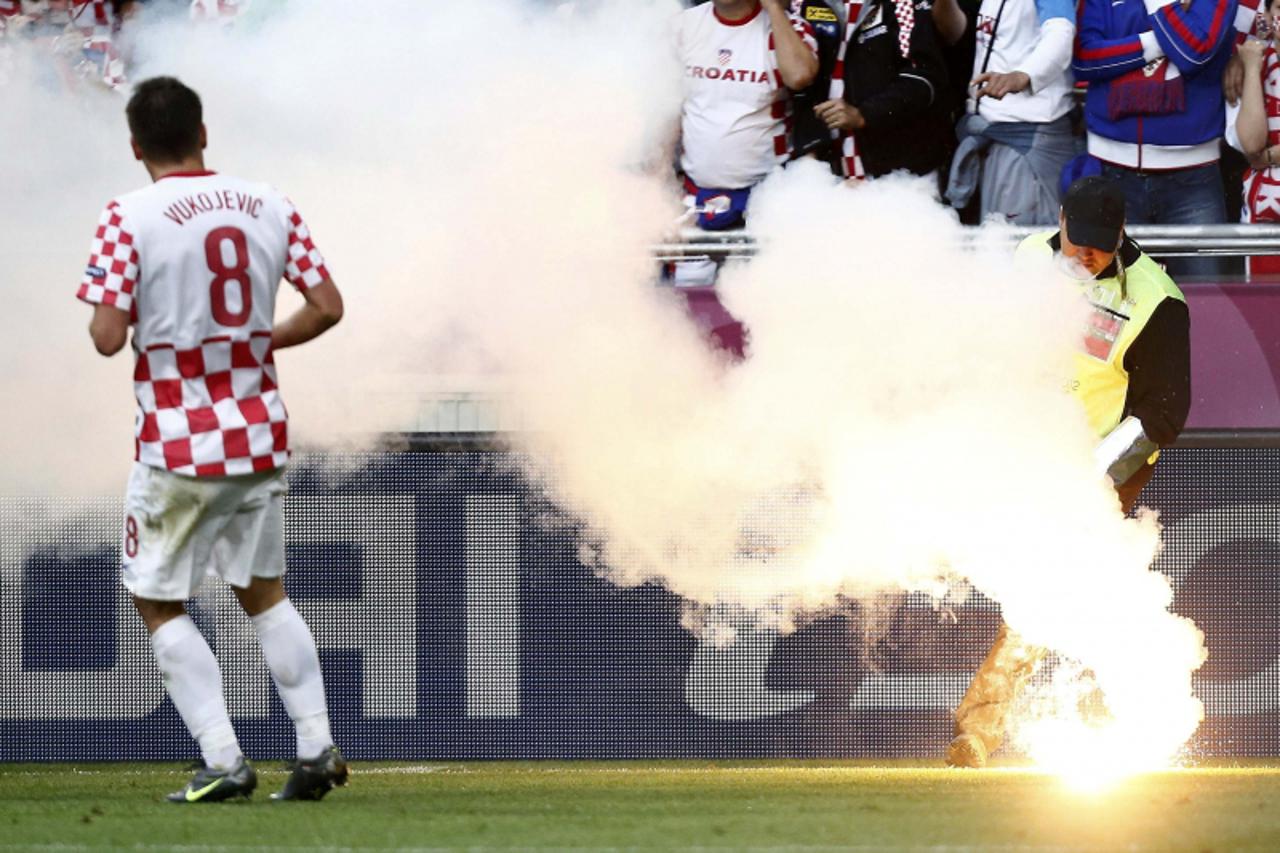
196	258
736	122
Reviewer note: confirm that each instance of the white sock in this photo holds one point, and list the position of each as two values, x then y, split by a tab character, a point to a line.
291	656
194	683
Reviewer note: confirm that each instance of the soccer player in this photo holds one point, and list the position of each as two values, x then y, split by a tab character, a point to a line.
192	262
89	30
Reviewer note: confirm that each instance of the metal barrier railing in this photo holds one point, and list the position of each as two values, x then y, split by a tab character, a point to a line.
1165	241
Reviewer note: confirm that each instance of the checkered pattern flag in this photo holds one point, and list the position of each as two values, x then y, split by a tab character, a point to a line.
1251	20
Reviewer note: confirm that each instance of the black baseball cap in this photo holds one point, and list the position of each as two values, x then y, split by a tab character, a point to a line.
1094	211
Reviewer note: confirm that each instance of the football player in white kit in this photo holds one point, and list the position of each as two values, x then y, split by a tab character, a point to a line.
192	262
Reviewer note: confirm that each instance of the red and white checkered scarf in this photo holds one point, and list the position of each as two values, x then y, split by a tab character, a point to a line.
1262	186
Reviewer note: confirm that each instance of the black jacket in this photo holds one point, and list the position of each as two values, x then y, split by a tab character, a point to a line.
903	100
810	133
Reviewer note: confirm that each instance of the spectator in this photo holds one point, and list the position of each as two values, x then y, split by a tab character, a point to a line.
1249	131
888	91
742	61
217	11
81	35
99	22
1155	109
828	18
1015	136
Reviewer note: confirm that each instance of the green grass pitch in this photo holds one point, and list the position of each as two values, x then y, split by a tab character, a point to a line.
739	805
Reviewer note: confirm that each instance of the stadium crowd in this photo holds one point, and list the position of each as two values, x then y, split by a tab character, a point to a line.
1004	102
87	40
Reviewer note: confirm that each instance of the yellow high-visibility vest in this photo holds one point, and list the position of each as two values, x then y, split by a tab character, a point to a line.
1118	317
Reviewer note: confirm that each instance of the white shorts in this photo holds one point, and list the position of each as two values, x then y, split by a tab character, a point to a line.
178	529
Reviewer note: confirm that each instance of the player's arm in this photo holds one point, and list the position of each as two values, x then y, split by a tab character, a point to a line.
110	281
109	329
321	312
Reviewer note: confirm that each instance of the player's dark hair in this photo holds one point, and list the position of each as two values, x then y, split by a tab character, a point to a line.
165	119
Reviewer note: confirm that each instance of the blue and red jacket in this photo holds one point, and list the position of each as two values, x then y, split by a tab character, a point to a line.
1155	79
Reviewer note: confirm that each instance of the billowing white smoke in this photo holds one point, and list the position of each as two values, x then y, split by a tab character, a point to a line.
450	161
483	183
67	424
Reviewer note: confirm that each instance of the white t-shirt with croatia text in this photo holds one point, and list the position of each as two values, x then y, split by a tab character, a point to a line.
736	121
196	259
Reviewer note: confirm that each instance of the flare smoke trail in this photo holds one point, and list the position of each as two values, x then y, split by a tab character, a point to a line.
476	182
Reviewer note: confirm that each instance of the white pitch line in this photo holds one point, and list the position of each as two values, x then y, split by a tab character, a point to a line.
38	774
408	770
414	769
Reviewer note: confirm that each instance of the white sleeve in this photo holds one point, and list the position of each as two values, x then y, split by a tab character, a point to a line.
1151	49
1051	55
1231	135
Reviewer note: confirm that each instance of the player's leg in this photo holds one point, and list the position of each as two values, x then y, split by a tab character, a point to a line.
291	655
162	567
254	556
194	683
